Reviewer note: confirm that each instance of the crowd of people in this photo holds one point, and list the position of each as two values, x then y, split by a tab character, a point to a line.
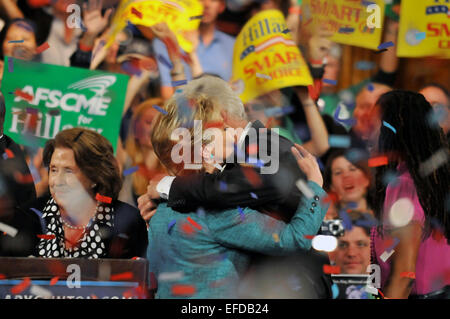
224	225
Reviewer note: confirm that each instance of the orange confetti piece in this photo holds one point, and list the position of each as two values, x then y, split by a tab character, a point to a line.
194	223
9	153
184	290
218	124
103	199
136	12
331	198
94	296
128	275
128	294
44	46
329	269
275	237
408	274
17	289
378	161
187	228
48	237
54	280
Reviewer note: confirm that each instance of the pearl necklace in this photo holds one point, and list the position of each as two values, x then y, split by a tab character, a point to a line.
83	228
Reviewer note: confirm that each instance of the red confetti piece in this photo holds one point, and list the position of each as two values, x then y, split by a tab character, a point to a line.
38	3
382	295
9	153
103	199
48	237
135	258
128	275
183	290
252	176
27	97
54	280
378	161
23	179
329	269
2	276
408	274
187	228
309	236
194	223
331	197
17	289
44	46
128	294
136	12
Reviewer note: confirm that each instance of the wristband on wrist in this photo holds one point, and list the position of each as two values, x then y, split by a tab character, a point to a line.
295	10
84	47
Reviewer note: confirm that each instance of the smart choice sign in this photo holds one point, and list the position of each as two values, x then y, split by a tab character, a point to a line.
43	99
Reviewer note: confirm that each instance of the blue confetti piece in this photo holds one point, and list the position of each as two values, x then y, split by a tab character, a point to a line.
385	45
346	30
339	141
390	178
130	69
254	195
365	65
241	212
346	220
286	31
10	64
348	122
164	61
41	218
130	170
15	41
370	87
321	166
335	290
396	241
5	156
421	35
437	115
389	126
278	111
351	205
356	155
223	186
171	224
201	212
328	81
160	109
179	83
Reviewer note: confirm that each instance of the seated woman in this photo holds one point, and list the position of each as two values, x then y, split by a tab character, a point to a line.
82	215
347	183
211	250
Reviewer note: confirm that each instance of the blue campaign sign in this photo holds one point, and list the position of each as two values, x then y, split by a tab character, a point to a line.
40	289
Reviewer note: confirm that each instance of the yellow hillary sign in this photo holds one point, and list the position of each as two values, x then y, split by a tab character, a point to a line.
424	28
353	22
265	57
180	15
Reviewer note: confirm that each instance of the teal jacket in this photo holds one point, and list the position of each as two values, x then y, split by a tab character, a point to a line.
203	254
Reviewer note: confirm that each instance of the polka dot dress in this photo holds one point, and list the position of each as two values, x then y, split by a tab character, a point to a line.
90	246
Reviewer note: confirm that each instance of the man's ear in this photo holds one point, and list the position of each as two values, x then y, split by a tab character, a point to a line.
223	5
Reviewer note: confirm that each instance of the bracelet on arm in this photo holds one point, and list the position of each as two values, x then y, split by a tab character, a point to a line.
295	10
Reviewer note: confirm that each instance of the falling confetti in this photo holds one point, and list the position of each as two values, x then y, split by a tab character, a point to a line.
434	162
193	166
54	280
164	61
329	269
160	109
23	95
42	48
340	141
17	289
103	199
41	292
408	274
130	171
335	291
8	154
194	223
401	212
420	35
128	275
187	228
286	31
179	83
169	276
136	12
385	255
365	65
253	195
346	30
47	237
378	161
196	17
385	45
15	41
389	126
370	87
183	290
328	81
10	64
241	213
11	231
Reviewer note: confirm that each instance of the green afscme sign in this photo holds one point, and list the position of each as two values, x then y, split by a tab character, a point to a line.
43	99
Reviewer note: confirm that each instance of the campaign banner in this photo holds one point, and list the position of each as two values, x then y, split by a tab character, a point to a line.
45	289
353	22
424	29
180	15
43	99
265	57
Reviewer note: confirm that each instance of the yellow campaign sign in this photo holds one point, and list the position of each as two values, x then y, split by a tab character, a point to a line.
347	19
118	23
265	58
180	15
424	29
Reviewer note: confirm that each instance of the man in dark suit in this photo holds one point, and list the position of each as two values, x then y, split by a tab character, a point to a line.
238	184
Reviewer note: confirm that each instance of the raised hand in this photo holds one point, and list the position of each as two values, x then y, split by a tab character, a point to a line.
308	164
93	20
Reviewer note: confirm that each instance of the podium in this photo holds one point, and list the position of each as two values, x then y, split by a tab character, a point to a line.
73	278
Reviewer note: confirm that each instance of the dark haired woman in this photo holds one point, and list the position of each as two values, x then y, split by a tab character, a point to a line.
412	209
83	217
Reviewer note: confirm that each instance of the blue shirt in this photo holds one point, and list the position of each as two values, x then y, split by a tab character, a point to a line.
209	252
216	58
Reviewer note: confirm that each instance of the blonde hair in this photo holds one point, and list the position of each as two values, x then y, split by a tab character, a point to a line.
134	149
201	99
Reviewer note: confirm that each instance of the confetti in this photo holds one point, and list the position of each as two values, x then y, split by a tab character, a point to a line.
309	236
378	161
136	12
278	111
391	243
328	81
187	229
286	31
11	231
103	199
421	35
41	292
380	51
340	141
42	48
335	291
196	17
389	126
329	269
385	45
179	83
160	109
264	76
192	166
10	64
23	95
346	121
346	220
128	275
401	212
346	30
365	65
370	87
251	176
194	223
241	212
15	41
167	276
408	274
54	280
130	171
303	187
164	61
433	163
48	237
184	290
275	237
17	289
8	154
437	115
385	255
222	186
253	195
2	276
